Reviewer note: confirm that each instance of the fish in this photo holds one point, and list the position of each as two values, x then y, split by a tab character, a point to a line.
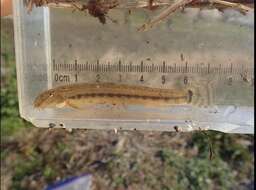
83	94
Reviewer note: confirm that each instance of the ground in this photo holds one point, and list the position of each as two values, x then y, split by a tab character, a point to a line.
32	158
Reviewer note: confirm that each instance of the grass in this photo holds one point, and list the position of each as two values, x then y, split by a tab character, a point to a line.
9	100
33	158
197	173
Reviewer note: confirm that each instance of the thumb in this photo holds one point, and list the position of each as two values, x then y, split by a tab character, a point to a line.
6	7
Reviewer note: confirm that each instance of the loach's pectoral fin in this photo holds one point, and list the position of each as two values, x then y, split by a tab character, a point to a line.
67	103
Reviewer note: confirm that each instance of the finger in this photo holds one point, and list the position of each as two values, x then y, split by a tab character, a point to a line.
6	7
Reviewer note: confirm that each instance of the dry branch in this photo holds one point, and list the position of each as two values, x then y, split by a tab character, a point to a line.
100	8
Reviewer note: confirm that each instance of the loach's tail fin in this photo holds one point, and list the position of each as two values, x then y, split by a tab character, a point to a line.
201	95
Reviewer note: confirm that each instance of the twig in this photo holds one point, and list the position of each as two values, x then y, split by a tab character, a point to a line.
238	6
246	5
181	4
209	143
172	8
100	9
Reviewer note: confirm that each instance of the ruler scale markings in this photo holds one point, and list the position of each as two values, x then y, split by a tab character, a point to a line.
164	70
83	66
119	66
94	67
100	69
107	67
112	68
97	66
126	68
75	65
202	69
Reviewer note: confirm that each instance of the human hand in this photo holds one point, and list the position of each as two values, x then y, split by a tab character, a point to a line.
6	7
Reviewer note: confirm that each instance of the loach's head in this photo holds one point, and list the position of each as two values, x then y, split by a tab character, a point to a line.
48	99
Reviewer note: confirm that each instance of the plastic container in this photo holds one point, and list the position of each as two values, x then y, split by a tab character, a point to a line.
212	49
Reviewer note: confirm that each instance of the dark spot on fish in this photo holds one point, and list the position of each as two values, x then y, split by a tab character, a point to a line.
190	94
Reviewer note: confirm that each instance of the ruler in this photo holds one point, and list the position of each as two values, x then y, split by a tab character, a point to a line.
216	80
62	72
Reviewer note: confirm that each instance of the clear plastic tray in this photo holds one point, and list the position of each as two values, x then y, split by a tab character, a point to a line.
208	40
